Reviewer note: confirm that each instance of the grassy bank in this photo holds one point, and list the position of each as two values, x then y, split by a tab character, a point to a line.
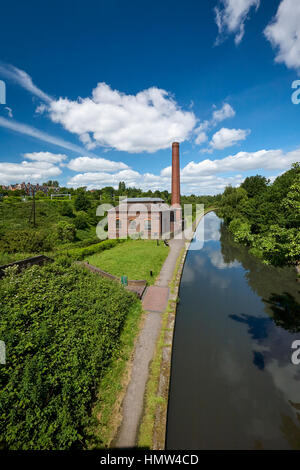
113	384
133	258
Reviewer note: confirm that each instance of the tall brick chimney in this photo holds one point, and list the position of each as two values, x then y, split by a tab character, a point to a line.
175	175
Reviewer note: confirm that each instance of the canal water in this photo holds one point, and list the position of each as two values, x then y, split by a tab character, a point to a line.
233	383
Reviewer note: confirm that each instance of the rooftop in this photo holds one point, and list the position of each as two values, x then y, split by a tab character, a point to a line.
142	199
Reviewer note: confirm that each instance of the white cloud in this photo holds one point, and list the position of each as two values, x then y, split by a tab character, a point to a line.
87	164
205	177
45	157
227	138
224	113
37	134
284	33
218	115
27	171
9	111
148	121
23	79
241	162
231	17
201	138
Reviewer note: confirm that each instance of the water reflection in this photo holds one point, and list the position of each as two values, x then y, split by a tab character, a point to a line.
233	385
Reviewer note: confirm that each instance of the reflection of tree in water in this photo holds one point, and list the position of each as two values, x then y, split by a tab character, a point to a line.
265	281
286	311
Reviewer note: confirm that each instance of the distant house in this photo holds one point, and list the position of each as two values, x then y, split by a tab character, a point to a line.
149	217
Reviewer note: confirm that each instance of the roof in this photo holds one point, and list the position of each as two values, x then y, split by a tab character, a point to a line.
142	199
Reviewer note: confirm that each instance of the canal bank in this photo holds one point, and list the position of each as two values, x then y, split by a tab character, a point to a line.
144	372
233	385
152	429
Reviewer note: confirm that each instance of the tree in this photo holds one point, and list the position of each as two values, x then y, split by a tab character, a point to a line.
122	187
66	209
82	203
55	184
255	185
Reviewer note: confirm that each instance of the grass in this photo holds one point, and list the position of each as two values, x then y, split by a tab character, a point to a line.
113	384
133	258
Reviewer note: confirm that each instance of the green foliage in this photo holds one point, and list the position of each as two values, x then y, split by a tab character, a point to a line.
29	241
65	232
81	220
266	217
65	209
80	253
241	230
82	202
61	326
255	185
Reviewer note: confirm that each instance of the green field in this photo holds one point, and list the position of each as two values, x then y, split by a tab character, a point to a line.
133	258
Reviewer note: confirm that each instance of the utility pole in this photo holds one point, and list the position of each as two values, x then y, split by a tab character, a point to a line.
34	221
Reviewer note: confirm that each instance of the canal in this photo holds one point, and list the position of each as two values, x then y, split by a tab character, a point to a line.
233	384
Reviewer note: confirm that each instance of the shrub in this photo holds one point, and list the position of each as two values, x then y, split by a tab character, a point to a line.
81	253
81	221
61	327
82	203
28	240
65	209
65	232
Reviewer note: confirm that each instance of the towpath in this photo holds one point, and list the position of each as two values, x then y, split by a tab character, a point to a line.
154	302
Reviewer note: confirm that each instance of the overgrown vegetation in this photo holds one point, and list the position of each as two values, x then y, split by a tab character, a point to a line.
265	216
62	327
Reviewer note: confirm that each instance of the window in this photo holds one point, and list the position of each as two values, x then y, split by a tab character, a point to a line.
147	224
118	224
172	218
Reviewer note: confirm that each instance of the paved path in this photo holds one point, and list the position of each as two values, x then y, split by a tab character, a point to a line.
154	302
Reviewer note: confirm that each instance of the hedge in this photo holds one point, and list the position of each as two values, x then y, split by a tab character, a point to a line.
61	328
81	253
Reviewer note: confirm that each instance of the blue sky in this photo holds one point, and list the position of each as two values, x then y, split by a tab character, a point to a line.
96	91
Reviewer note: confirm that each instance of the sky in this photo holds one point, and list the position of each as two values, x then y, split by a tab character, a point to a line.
96	91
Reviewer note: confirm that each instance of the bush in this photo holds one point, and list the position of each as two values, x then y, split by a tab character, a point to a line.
66	209
65	232
81	221
82	203
28	240
81	253
61	327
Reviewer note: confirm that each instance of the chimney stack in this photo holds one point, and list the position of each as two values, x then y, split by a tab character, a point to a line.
175	175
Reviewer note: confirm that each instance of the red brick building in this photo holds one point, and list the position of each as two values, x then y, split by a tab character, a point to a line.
149	217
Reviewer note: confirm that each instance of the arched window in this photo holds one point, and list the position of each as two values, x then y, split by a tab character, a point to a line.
118	224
